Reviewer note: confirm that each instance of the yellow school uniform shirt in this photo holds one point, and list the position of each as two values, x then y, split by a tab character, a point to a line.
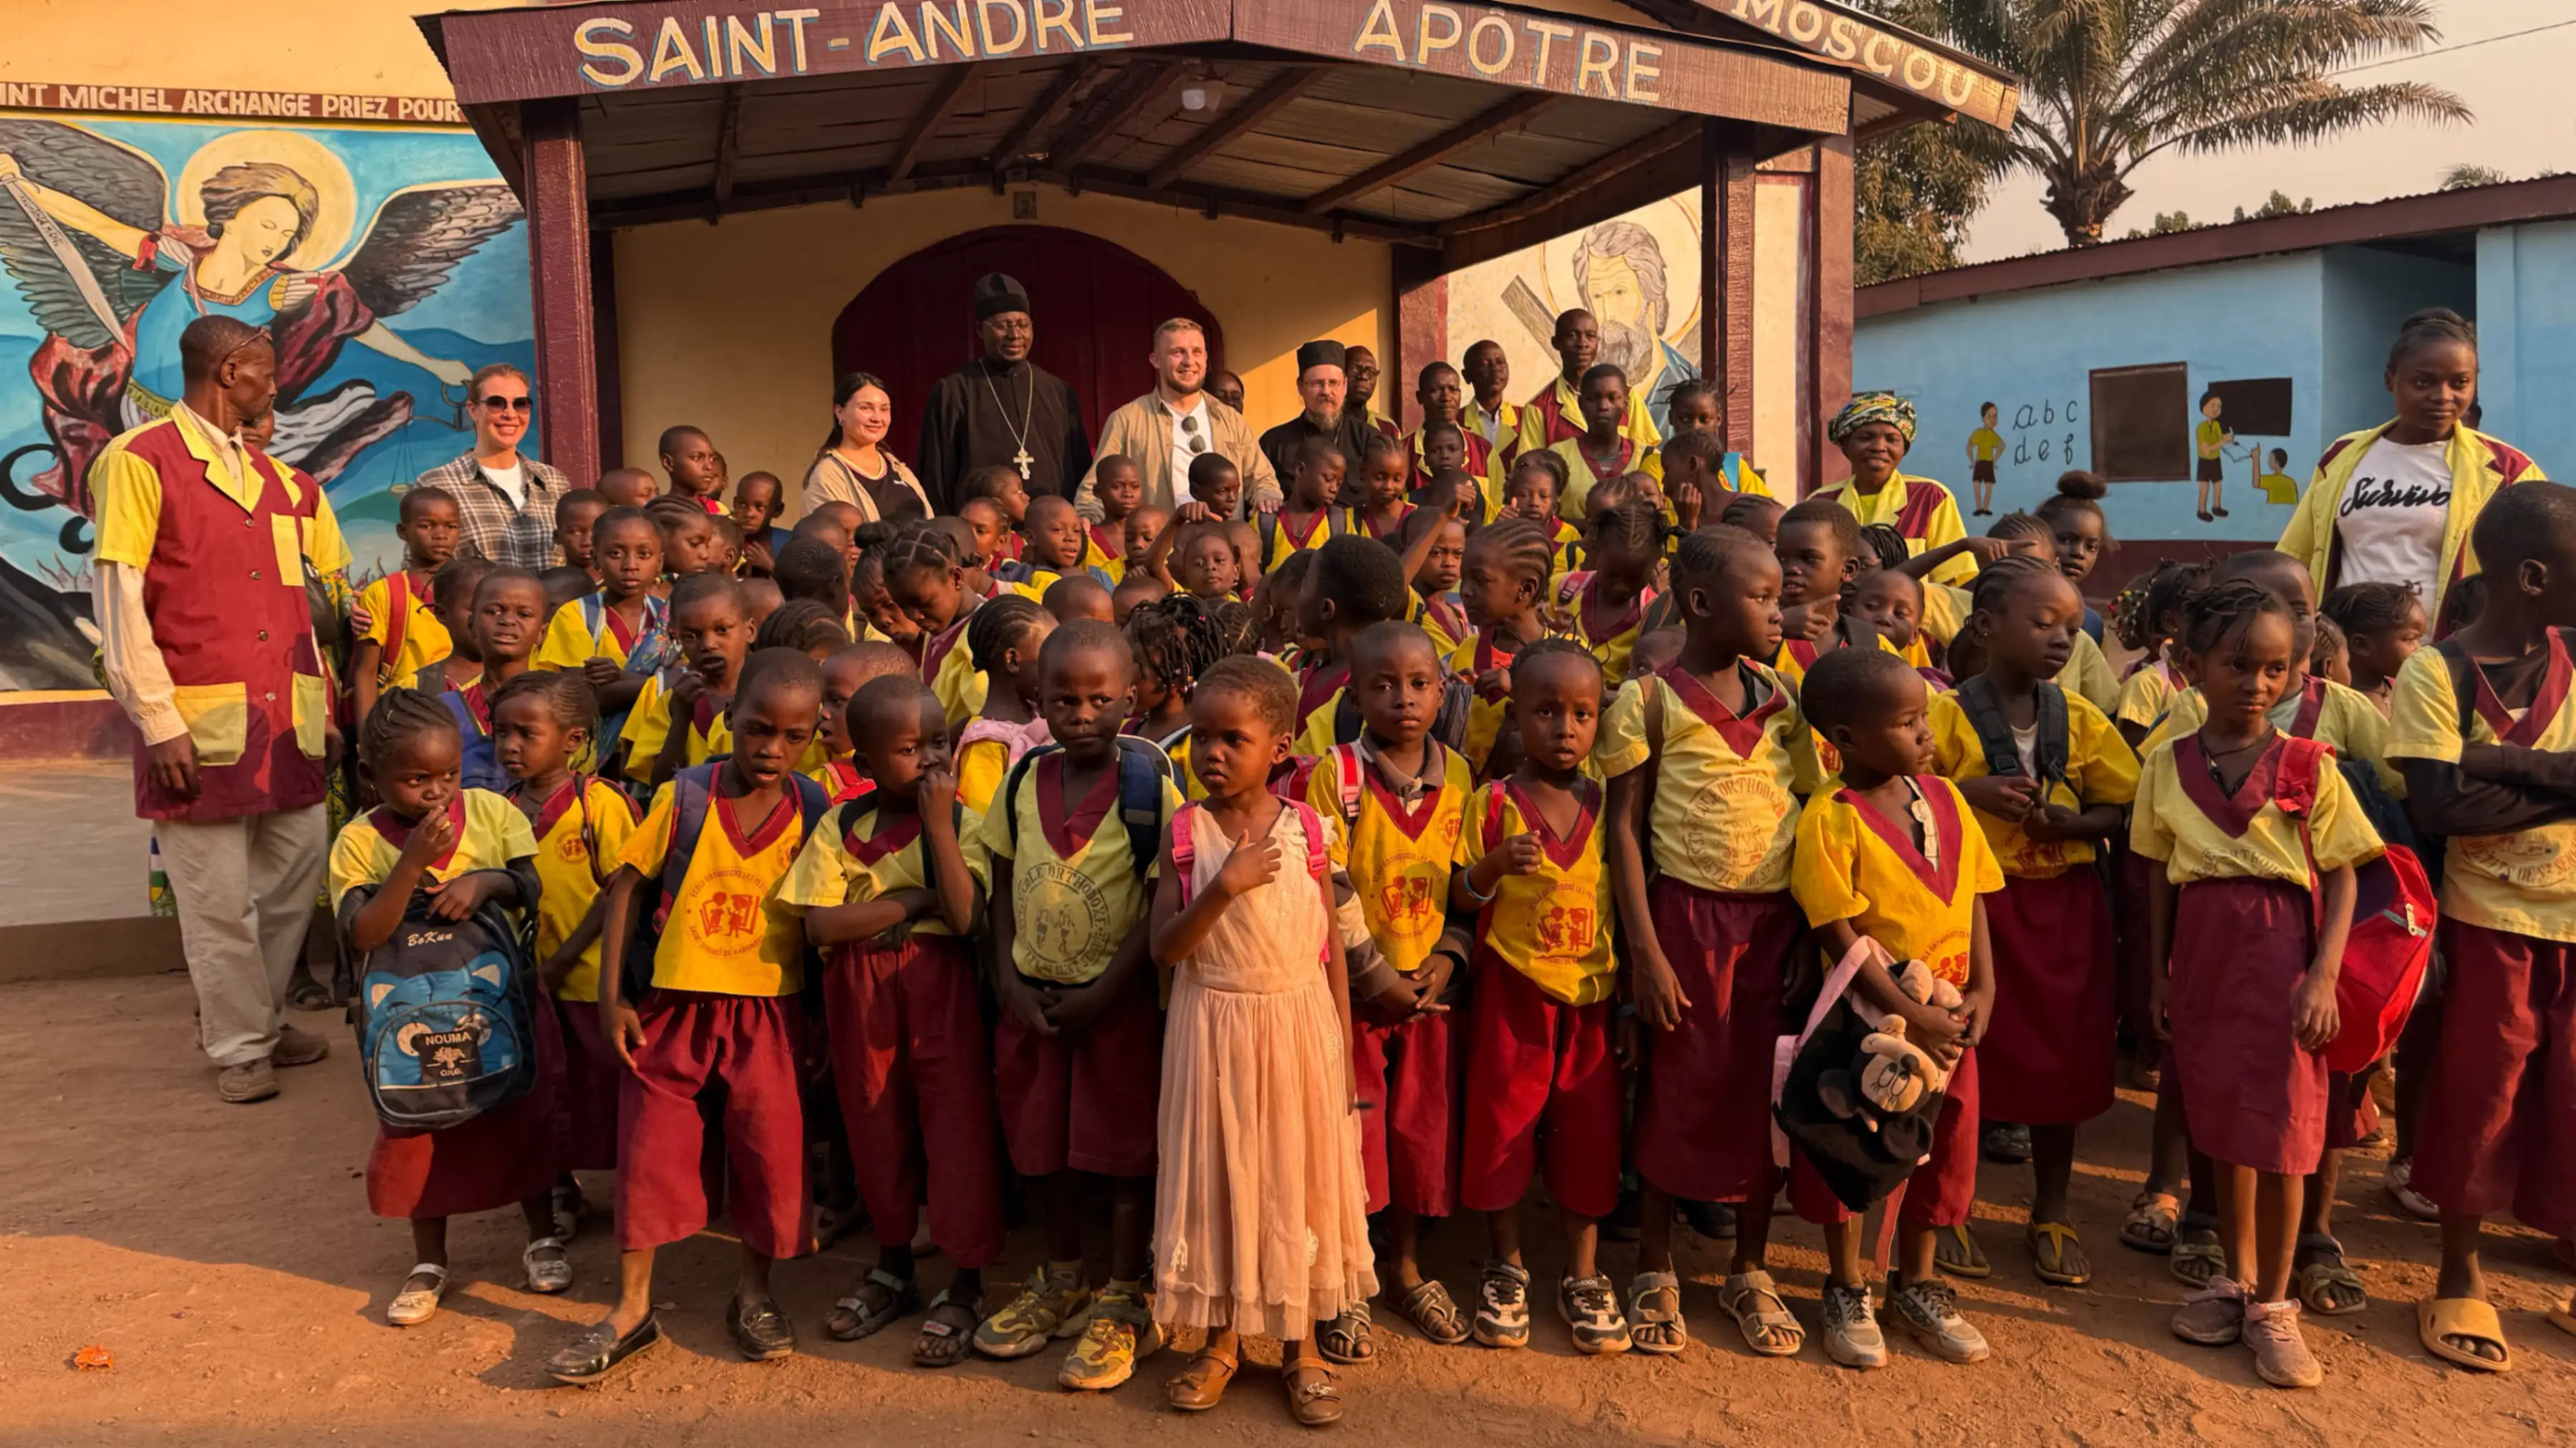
1945	610
579	837
1074	900
1580	479
1854	864
857	855
1552	925
1399	858
648	727
2168	825
2100	769
1638	426
569	643
490	833
1887	505
980	768
1612	640
2516	882
425	640
1726	787
1287	541
1475	655
2346	719
954	679
2088	674
2210	435
721	936
2146	695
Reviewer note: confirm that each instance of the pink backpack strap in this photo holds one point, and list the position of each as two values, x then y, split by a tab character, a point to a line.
1184	851
1319	859
1346	768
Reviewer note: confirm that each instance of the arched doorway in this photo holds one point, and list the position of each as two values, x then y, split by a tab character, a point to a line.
1096	305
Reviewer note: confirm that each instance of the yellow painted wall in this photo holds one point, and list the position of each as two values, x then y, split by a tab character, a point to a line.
1778	269
353	47
729	327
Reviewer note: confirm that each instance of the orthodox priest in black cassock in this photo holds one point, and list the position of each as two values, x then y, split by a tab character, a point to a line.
1320	386
1002	408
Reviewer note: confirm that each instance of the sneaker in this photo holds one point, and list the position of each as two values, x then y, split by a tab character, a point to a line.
1590	1305
248	1082
298	1048
2214	1316
2281	1355
1121	1332
1852	1337
1502	1306
1046	1307
1930	1310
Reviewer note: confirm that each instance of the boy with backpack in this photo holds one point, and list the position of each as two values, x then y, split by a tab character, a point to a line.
707	995
403	631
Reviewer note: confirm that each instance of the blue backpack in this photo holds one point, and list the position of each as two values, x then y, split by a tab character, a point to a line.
445	1014
1143	768
692	795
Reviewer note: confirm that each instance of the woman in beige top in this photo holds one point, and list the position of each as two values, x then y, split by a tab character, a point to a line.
854	466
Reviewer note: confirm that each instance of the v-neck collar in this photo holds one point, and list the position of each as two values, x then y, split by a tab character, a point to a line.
1563	851
867	849
1412	819
1068	832
2232	813
935	651
2546	700
1742	733
627	635
478	706
761	835
397	833
1946	829
550	811
1628	617
1490	654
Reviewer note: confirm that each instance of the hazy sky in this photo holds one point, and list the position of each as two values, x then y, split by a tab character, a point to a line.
2523	91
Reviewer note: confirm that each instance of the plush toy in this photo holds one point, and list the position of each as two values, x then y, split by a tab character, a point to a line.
1892	1075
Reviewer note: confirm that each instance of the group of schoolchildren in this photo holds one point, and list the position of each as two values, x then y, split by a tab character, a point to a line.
1241	874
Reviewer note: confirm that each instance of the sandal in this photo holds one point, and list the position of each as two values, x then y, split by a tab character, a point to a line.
1314	1400
2327	1286
569	1206
1347	1338
2197	1257
1433	1313
1955	1251
549	1270
2440	1319
1761	1314
1655	1325
2400	1180
2153	1218
1202	1384
944	1335
862	1314
309	994
2057	1255
415	1305
2564	1318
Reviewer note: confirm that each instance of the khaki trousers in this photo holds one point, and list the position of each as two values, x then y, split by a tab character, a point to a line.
245	891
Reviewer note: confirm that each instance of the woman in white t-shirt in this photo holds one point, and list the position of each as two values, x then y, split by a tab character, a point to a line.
2393	503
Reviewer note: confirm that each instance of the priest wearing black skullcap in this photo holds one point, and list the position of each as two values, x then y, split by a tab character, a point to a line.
1001	408
1321	384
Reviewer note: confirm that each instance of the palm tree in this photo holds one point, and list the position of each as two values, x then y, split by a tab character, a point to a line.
2109	83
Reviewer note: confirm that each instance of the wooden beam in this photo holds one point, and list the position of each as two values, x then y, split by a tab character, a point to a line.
1829	346
1680	133
728	146
1439	148
1042	110
1212	202
559	281
1260	106
496	125
934	113
1149	83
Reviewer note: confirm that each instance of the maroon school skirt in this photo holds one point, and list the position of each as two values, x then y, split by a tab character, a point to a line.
496	1160
1703	1127
2250	1095
591	1072
2046	1060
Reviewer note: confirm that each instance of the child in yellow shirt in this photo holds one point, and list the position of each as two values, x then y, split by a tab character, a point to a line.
403	630
1002	640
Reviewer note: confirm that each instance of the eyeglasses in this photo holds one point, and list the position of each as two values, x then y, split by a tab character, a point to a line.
510	404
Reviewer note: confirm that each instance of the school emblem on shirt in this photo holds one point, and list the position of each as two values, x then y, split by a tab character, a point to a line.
1404	899
570	849
1948	957
1567	922
723	914
2527	860
1740	822
1065	921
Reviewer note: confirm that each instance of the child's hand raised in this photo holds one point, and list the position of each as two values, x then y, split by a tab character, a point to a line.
602	672
685	691
2005	796
1809	621
1494	686
1250	867
430	840
1525	853
936	796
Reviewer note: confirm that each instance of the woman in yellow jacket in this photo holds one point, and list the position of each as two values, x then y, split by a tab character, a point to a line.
2393	503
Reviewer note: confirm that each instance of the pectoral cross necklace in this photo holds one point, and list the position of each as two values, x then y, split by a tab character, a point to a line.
1028	410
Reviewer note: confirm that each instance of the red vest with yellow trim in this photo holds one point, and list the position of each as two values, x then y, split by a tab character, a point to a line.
224	591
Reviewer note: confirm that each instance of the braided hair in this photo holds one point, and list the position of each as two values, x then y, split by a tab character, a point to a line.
401	716
802	624
1885	542
2371	608
915	546
1539	651
2142	607
1238	628
1177	638
2018	524
564	693
1520	546
2224	610
1709	551
1996	581
1001	626
1633	523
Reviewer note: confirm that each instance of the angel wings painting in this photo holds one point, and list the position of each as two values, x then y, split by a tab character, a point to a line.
114	261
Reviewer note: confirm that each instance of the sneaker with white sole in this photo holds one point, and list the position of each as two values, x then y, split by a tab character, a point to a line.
1930	1310
1852	1337
2281	1355
2214	1316
1590	1306
1502	1306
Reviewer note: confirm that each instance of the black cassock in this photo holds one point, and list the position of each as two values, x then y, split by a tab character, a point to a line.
980	414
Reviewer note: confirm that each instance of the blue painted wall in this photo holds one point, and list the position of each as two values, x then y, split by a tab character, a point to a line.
2368	293
2527	339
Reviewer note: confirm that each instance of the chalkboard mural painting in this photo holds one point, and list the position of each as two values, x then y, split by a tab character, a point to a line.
400	242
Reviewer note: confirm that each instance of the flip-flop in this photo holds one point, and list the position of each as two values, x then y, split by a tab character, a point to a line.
2317	1275
2154	1219
2050	1243
2564	1318
1955	1251
2437	1318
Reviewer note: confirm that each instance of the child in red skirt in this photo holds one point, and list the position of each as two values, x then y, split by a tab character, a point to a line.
2496	773
2046	773
464	847
1540	1073
542	721
887	890
1705	757
1401	800
720	1013
1892	853
1077	1054
2251	935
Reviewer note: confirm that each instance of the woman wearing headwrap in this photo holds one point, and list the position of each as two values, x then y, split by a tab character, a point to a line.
1874	430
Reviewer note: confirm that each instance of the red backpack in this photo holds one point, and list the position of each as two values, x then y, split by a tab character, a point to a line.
2392	924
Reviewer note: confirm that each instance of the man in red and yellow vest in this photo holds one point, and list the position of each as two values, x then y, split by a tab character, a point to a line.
208	643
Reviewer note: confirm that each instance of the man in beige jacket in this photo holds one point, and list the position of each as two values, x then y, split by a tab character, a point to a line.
1163	431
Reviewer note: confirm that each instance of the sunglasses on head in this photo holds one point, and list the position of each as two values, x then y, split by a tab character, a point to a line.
522	403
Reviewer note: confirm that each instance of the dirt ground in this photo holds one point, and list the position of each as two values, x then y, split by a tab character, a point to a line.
225	1258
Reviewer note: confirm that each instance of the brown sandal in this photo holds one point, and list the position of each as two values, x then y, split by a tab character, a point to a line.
1314	1399
1202	1384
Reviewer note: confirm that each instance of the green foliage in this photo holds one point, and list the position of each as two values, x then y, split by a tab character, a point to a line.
2464	176
2279	205
1913	193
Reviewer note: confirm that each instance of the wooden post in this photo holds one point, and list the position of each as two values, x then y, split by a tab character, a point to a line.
1726	278
1829	350
558	206
603	325
1421	329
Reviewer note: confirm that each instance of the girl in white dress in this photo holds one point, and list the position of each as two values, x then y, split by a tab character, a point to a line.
1260	1216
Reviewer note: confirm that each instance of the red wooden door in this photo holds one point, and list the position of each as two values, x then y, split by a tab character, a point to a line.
1096	305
